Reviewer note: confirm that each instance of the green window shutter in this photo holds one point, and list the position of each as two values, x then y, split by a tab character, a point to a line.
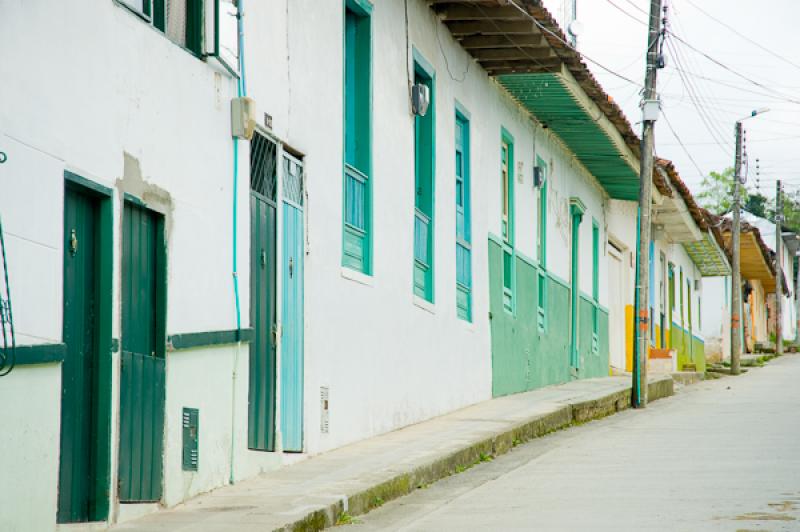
541	241
191	437
194	26
357	188
159	13
424	152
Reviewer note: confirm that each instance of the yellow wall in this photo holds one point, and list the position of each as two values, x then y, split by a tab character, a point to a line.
628	337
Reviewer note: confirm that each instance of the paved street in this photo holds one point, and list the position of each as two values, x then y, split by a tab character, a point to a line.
721	455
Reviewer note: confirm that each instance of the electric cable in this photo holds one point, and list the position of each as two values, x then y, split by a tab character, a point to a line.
565	43
685	150
743	36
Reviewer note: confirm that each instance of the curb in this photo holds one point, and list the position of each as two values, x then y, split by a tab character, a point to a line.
404	482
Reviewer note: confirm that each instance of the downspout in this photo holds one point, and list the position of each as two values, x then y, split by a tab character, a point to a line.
241	90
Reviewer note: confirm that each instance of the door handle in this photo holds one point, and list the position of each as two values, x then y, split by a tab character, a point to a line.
291	266
263	258
73	243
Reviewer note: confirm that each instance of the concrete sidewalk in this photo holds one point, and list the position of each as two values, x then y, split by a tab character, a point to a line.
354	479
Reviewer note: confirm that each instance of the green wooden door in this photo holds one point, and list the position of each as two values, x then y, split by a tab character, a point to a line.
261	404
142	378
77	471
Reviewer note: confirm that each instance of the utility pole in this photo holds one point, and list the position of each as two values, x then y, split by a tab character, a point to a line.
736	276
650	107
778	269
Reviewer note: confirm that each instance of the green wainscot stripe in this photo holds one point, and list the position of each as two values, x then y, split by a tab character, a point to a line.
208	338
27	355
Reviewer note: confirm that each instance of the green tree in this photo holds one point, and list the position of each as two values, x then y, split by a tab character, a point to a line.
716	192
791	211
757	204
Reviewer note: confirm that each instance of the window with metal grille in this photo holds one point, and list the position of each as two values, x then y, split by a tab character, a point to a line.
180	20
292	180
263	166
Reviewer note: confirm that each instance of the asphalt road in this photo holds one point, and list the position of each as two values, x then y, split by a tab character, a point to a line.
720	455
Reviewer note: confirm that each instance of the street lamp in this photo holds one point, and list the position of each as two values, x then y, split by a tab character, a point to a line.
736	282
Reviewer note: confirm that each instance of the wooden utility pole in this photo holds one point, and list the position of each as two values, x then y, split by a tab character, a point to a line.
778	268
649	107
736	276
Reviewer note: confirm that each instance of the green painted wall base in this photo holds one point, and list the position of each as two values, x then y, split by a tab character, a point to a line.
525	357
690	349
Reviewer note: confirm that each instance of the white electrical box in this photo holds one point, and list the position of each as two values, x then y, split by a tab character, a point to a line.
243	117
650	110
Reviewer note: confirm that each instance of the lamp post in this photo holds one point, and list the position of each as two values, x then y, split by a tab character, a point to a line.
736	281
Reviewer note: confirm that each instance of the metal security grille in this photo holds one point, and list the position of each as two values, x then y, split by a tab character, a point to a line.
263	166
176	18
292	180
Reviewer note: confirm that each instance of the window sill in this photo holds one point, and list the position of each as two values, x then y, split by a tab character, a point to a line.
356	276
424	304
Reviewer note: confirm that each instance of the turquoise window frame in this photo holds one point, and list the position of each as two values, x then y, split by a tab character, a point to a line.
425	184
357	204
541	248
507	231
463	215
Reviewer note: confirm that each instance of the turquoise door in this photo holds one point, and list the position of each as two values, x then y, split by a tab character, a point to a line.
143	371
292	308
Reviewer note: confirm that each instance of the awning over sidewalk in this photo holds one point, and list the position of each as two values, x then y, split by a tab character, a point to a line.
708	256
520	44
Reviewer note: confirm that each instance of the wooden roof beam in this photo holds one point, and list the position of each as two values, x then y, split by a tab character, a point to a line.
469	12
477	42
490	27
505	54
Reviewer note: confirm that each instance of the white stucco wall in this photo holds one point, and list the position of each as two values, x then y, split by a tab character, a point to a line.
716	317
115	101
97	82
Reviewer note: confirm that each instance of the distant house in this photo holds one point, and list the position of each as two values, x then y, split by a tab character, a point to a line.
790	243
758	281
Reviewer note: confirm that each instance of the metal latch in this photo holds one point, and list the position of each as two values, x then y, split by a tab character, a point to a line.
73	243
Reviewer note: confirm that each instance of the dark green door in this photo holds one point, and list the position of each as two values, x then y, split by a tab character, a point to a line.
261	405
77	471
143	365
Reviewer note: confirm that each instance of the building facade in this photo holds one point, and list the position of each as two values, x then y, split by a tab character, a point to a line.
237	239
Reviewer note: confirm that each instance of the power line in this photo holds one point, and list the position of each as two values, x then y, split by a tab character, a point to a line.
686	151
707	121
565	43
708	57
733	71
743	36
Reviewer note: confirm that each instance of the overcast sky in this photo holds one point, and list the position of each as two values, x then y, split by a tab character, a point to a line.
615	34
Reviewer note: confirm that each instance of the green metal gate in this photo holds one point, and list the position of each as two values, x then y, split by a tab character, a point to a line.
261	407
142	379
77	470
261	400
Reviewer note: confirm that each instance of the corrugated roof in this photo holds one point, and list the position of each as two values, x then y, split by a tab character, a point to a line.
549	79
